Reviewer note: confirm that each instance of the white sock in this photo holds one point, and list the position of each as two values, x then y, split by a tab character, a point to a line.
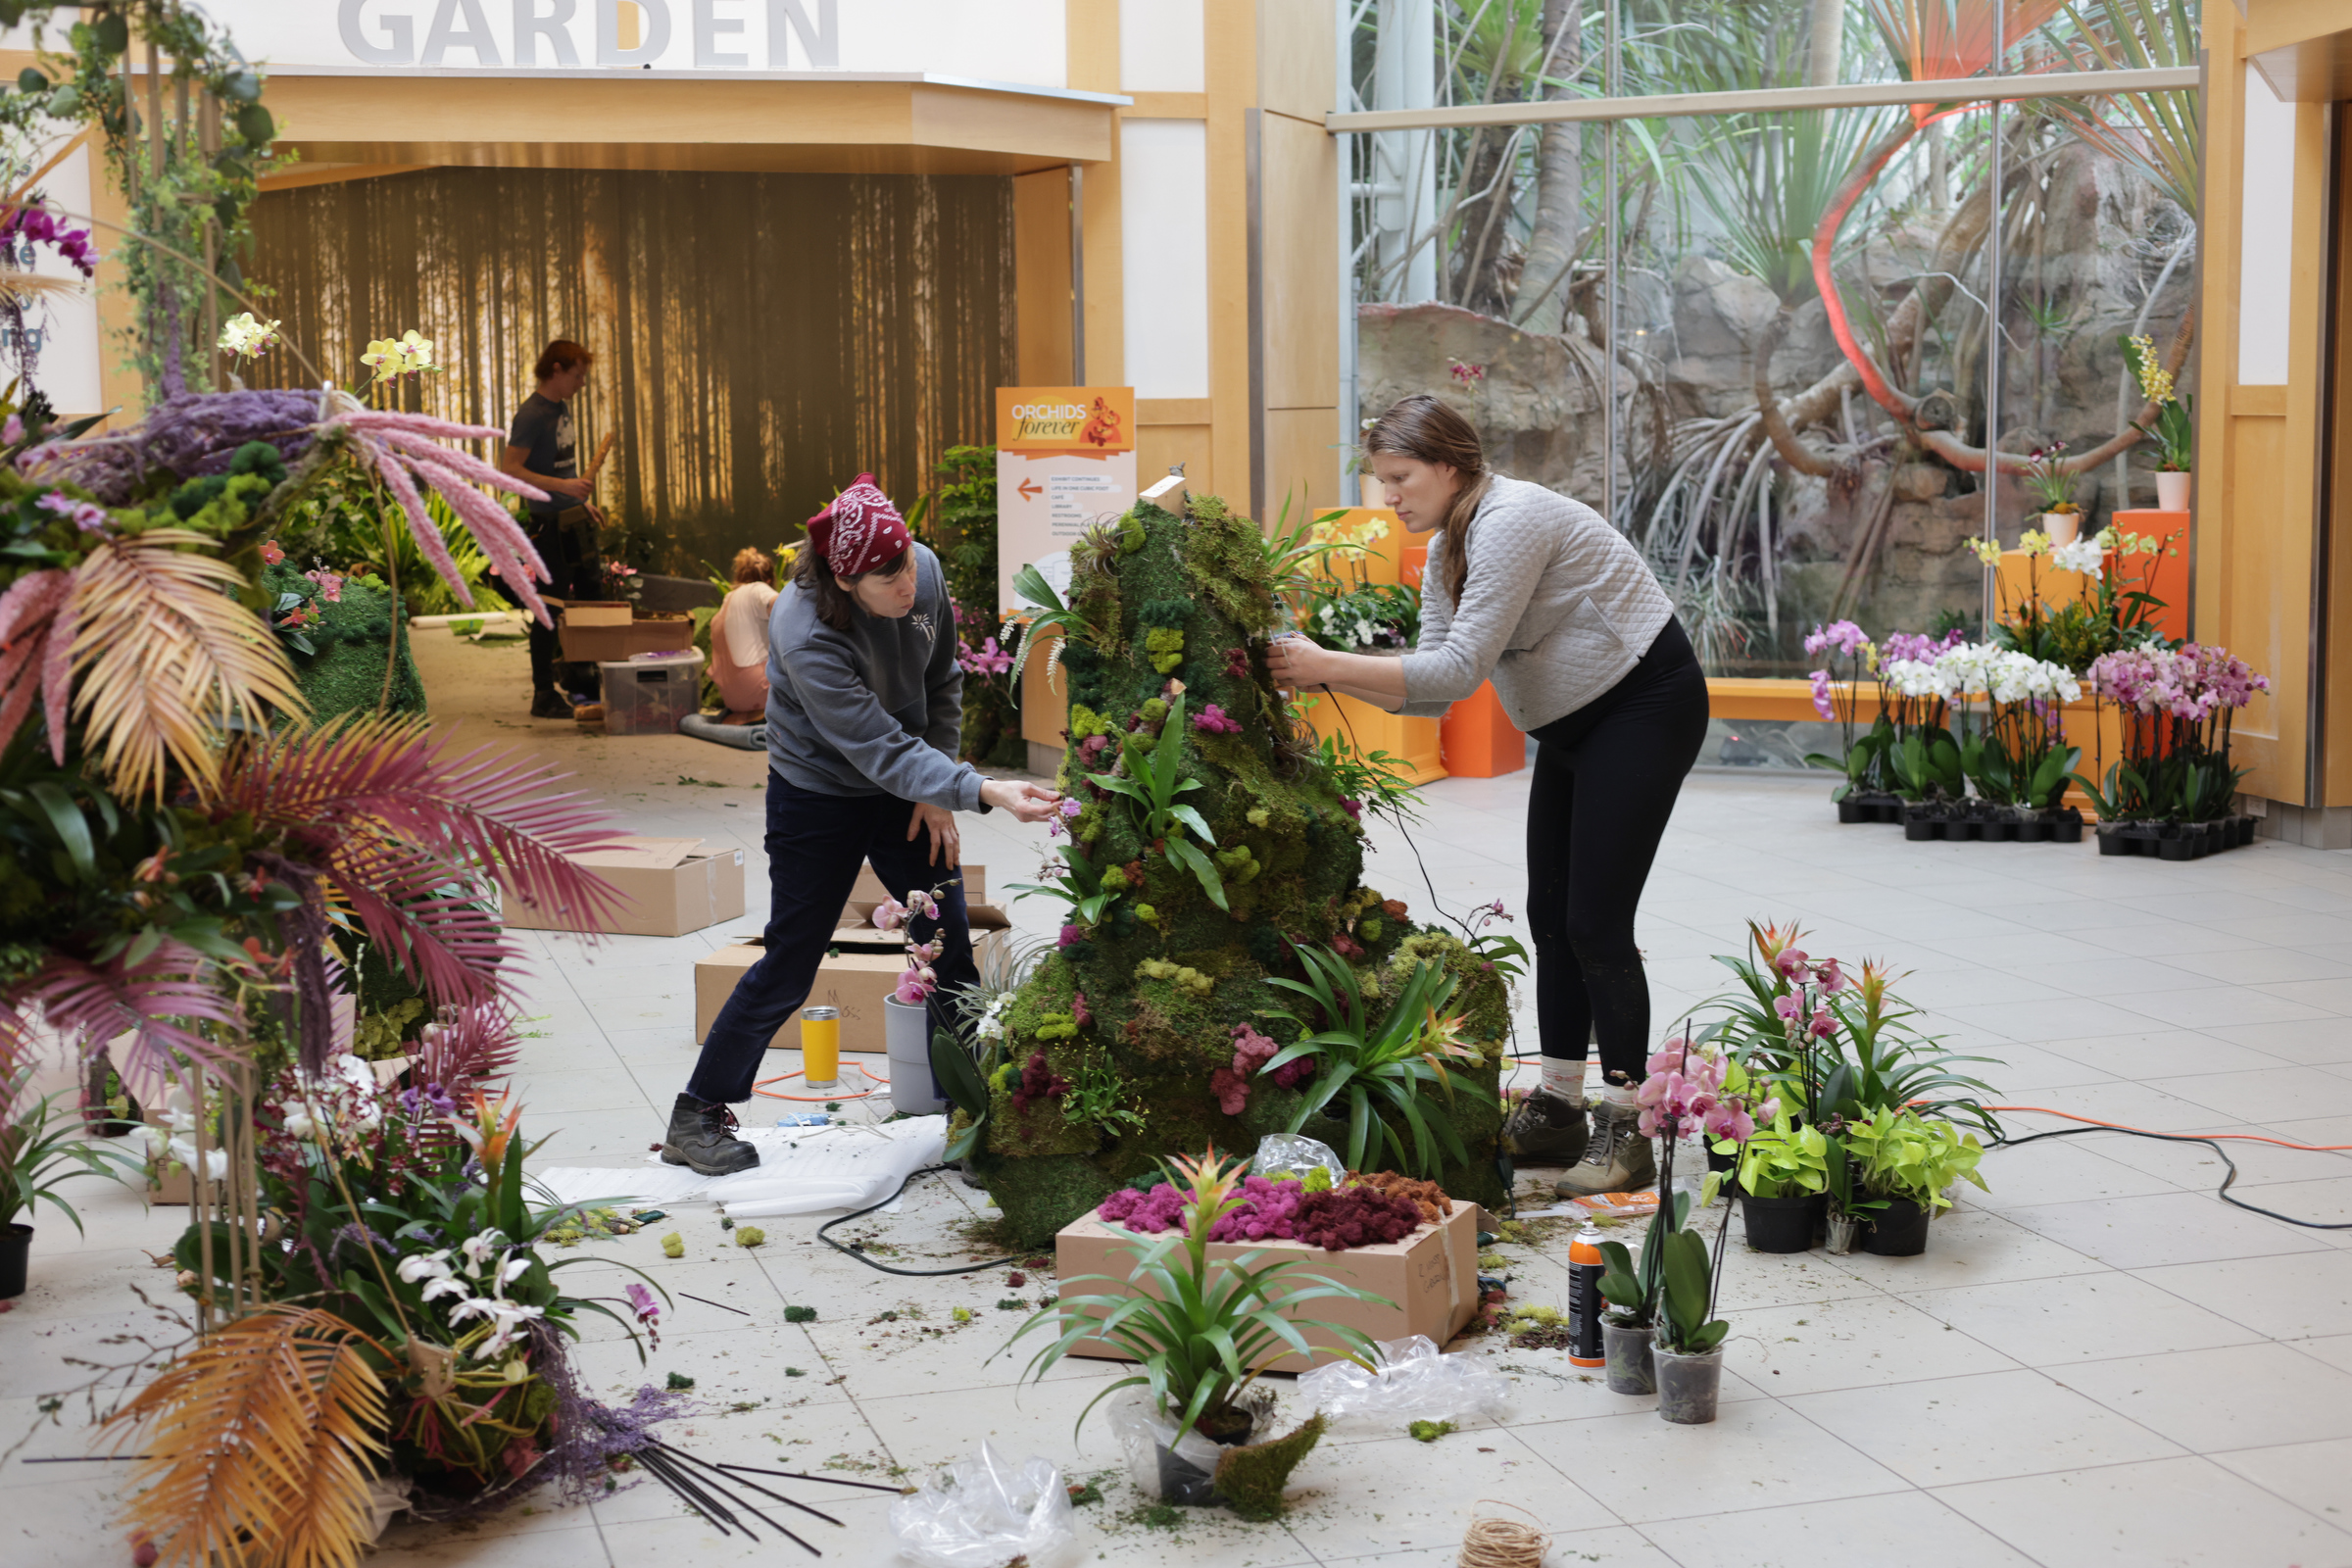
1625	1095
1564	1079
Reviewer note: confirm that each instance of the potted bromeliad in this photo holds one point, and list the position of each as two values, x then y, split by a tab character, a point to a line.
37	1151
1905	1160
1200	1332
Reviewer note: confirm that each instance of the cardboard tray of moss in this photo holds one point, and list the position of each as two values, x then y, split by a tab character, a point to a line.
1431	1275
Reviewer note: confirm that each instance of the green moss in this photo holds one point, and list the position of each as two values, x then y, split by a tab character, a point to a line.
1252	1478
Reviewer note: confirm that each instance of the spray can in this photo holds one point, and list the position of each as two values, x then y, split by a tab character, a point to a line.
1586	1266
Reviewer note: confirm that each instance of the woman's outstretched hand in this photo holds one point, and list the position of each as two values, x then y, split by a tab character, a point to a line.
1031	802
1294	662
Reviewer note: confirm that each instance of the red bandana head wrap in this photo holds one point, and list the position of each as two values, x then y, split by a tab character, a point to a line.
859	531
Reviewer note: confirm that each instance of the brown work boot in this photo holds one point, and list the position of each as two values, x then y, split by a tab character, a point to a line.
1617	1158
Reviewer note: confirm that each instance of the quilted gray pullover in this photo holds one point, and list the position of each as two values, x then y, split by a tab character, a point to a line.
1558	606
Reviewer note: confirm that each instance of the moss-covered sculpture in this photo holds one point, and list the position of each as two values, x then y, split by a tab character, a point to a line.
1250	1478
1110	1048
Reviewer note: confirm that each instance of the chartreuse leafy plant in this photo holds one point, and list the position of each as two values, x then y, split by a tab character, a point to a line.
1154	787
1782	1161
1377	1060
1198	1332
1898	1152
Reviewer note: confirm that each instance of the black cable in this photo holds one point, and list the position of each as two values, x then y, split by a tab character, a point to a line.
2214	1144
857	1250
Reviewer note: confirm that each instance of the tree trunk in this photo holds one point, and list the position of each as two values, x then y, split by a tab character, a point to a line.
1540	302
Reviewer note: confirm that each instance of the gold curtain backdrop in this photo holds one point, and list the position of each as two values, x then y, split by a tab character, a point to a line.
760	338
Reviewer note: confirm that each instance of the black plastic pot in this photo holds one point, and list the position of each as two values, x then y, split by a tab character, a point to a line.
16	1245
1781	1224
1996	830
2111	841
1850	811
2218	836
1962	830
2246	830
2034	830
1921	828
1881	808
2174	845
1899	1230
2066	827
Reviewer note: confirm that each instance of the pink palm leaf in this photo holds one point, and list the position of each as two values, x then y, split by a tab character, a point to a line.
394	444
472	1052
152	1001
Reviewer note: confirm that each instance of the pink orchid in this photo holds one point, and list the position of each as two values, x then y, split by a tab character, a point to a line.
889	916
1792	964
1821	695
915	985
1787	1008
1832	978
271	554
1823	1025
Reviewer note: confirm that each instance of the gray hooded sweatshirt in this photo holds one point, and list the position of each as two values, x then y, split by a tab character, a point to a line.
875	709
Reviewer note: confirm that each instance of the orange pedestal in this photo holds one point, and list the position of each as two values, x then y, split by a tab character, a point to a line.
1477	740
2167	578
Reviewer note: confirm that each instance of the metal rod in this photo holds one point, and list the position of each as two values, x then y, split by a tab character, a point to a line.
685	1486
671	1456
1993	335
721	1305
1608	283
1856	95
801	1475
738	1481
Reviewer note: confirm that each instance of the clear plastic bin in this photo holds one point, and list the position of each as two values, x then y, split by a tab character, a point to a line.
651	695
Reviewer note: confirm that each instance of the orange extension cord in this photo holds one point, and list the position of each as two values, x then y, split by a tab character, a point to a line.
2116	1126
880	1083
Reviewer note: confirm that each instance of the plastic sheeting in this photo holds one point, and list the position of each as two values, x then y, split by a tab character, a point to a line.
1413	1382
987	1512
801	1171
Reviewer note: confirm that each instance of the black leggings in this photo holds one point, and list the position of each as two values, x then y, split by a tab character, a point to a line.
1606	776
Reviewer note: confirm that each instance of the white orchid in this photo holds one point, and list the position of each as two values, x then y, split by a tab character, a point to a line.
515	1270
447	1285
508	1318
478	1249
424	1266
2084	555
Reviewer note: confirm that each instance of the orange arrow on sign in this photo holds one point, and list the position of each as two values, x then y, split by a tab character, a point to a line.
1030	489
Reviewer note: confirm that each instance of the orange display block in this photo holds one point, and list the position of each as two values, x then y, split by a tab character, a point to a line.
1476	739
1365	729
2168	579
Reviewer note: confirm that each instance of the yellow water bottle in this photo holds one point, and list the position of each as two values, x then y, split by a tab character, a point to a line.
821	1047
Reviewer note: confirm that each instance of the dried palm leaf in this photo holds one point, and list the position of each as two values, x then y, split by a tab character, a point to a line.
24	288
260	1441
164	655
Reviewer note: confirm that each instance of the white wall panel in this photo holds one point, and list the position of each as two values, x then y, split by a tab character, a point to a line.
1163	225
1161	46
2267	232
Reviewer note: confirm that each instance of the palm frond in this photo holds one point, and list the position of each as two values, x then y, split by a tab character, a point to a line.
150	1003
164	655
473	1051
260	1443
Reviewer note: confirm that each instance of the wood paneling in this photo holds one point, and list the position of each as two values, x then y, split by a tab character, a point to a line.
1303	462
782	126
1161	447
1295	59
1231	72
1298	165
1041	270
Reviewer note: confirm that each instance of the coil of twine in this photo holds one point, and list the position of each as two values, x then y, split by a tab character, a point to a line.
1502	1543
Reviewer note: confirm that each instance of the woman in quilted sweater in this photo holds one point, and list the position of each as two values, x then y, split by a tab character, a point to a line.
1541	595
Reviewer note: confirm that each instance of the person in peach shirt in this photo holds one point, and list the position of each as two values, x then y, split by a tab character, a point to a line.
738	638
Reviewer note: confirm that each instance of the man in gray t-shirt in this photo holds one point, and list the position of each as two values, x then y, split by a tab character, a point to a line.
542	450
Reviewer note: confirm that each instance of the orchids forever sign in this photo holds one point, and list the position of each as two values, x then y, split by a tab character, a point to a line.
1065	459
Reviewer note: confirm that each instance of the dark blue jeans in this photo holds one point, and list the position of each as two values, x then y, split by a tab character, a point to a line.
815	844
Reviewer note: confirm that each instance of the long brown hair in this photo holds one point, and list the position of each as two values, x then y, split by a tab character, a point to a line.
1421	427
834	600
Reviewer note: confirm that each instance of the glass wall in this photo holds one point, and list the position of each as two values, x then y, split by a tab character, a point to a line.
1758	336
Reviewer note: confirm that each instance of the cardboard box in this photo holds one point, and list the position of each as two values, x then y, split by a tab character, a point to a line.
870	892
603	633
855	977
868	895
1431	1276
673	886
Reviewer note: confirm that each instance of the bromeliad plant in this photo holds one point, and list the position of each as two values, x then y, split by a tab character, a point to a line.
1199	1331
1377	1060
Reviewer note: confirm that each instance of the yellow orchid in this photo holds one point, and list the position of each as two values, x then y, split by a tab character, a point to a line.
1988	551
409	354
243	335
2034	542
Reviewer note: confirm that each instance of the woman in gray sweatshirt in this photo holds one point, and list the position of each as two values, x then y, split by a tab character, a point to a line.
1538	594
864	704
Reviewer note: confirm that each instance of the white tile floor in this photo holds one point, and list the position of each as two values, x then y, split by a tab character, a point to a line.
2095	1362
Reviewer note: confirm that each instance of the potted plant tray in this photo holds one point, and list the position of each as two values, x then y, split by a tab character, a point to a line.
1926	823
2176	840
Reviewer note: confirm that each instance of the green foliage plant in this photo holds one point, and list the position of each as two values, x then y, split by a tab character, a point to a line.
1782	1160
1154	792
1630	1286
38	1149
1688	1325
1377	1060
1898	1152
1199	1331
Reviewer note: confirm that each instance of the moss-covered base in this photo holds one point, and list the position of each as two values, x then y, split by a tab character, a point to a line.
1252	1479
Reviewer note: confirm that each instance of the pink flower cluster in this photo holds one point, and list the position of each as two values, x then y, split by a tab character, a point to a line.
1685	1084
331	584
986	659
1792	964
1918	646
1821	695
1842	635
1213	720
1268	1210
38	225
1063	815
88	517
2191	684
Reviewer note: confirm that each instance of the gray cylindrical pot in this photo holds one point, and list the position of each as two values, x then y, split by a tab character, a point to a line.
1843	1229
1688	1386
1628	1351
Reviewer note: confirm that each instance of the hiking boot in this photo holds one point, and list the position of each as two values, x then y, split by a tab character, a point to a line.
550	705
1545	1130
702	1138
1617	1158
